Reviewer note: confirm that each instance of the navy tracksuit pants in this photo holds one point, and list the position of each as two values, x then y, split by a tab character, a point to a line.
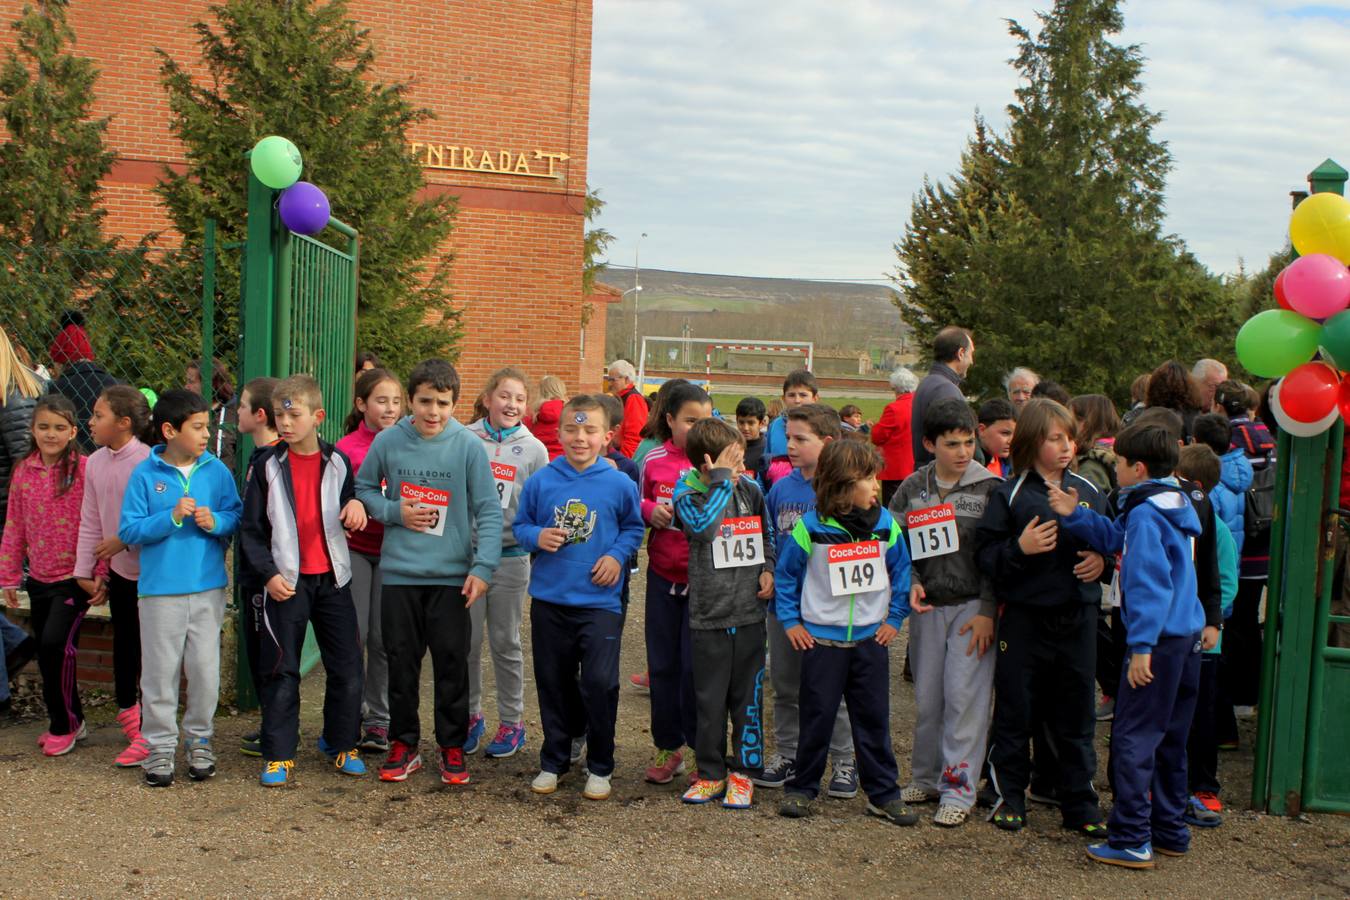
564	639
1148	748
670	664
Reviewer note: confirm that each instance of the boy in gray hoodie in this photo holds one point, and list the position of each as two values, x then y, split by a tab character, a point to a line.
429	482
731	560
939	507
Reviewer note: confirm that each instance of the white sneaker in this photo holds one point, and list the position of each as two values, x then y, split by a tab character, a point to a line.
1244	712
544	783
597	787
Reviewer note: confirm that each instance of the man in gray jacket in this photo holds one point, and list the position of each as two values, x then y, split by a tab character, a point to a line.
953	355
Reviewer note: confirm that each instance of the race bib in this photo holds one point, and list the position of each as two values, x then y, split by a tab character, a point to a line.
858	568
665	496
431	498
504	476
741	543
932	531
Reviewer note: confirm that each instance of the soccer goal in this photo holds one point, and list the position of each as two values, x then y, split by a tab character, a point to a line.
690	357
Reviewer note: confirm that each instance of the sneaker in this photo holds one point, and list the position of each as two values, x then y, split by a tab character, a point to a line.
60	744
1200	815
136	753
986	797
949	815
777	773
1231	744
1140	857
159	770
44	738
668	764
544	783
641	682
916	794
401	762
130	721
1164	850
795	806
276	772
1106	710
1210	800
578	750
1042	795
453	770
475	738
1007	817
509	740
375	740
597	787
895	812
201	759
348	762
251	743
843	780
1244	712
704	791
740	792
19	657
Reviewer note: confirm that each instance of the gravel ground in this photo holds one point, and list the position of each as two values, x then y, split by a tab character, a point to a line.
78	827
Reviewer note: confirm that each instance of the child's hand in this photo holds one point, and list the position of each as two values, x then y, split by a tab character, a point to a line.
981	630
416	517
12	598
662	515
1209	638
1038	536
1141	670
731	457
96	588
185	507
1063	504
916	598
473	590
552	539
606	571
353	516
765	585
1091	568
800	638
108	548
202	516
886	633
280	589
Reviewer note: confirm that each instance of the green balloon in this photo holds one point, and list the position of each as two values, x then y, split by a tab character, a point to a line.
1335	340
276	162
1275	342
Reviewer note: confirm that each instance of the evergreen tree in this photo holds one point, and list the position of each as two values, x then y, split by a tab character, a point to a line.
594	243
303	69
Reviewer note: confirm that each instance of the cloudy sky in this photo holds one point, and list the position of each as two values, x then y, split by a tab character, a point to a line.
787	138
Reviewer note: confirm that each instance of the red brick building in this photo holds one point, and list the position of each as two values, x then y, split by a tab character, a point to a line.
509	83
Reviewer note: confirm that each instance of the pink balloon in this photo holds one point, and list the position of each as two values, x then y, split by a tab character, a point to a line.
1317	286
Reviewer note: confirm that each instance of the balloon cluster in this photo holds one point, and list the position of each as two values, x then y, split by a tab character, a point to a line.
276	163
1313	293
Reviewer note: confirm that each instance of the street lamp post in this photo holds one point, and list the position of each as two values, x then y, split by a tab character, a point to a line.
637	288
634	291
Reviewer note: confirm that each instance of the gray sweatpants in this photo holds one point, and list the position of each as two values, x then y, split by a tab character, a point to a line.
366	597
180	636
952	693
785	673
501	611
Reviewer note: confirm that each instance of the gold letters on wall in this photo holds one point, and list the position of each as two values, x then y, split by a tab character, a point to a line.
523	164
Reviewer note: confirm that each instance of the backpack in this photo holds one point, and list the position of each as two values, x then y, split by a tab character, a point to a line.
1259	510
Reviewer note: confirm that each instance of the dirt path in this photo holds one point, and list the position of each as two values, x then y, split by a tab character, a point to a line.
77	827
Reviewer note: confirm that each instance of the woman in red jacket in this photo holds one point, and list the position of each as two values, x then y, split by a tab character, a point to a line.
892	433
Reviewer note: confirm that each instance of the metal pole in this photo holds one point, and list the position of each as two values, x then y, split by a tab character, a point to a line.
637	288
207	367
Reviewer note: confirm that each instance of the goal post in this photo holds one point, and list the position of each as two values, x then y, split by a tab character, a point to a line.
701	359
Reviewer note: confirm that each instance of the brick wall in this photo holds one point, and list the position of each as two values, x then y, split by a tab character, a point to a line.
498	74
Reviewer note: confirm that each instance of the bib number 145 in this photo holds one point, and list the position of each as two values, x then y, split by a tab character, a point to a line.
741	543
858	568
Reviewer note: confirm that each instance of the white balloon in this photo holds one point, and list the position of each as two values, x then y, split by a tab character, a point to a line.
1293	426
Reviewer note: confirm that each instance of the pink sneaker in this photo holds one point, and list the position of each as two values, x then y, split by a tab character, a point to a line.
130	720
60	744
44	738
137	752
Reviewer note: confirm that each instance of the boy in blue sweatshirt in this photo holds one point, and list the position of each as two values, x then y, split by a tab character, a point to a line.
428	480
581	516
1155	535
180	508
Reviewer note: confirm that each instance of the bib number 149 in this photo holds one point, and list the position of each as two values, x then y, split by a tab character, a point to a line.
858	568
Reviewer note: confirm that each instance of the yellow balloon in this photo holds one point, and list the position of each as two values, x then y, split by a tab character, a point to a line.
1321	224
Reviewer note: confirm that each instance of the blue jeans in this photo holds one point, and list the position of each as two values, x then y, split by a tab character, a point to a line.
11	636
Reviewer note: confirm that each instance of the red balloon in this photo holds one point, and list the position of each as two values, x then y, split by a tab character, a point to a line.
1343	399
1280	298
1309	393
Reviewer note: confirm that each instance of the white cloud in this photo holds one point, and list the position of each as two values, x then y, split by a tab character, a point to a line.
787	138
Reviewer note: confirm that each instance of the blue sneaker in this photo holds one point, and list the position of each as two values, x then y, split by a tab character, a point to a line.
277	772
475	738
509	740
1140	857
348	762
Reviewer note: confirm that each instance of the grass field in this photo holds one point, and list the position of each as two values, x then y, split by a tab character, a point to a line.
871	406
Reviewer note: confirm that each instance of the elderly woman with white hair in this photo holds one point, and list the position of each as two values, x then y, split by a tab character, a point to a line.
893	433
1019	383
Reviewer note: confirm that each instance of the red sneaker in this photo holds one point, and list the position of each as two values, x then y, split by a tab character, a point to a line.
1210	801
401	762
641	682
665	767
453	770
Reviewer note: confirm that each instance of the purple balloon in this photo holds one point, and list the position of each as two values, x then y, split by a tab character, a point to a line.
304	208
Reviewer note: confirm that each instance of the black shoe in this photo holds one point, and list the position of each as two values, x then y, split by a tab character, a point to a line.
5	704
19	657
251	743
795	806
986	797
895	812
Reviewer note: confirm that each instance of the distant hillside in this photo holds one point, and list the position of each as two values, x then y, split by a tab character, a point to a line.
836	315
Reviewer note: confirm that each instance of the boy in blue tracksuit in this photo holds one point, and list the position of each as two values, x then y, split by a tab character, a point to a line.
581	517
842	593
1155	535
180	507
1235	473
